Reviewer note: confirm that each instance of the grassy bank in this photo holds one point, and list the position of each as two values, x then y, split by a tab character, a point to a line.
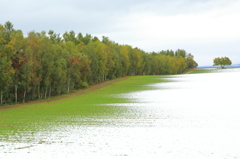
35	117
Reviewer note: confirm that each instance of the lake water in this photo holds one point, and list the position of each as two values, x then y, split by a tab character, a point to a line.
192	116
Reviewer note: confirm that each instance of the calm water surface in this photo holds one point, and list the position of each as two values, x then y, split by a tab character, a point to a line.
193	116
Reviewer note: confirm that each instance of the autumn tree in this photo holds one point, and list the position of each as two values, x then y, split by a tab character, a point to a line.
101	53
34	50
46	64
6	70
73	64
124	55
222	61
191	63
16	48
136	62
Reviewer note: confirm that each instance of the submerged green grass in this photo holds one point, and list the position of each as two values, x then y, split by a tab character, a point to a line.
32	118
202	71
210	70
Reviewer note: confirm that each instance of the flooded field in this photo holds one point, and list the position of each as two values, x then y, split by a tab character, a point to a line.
187	116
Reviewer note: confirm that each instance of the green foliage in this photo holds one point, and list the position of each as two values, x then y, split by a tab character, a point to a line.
85	84
222	61
190	61
43	65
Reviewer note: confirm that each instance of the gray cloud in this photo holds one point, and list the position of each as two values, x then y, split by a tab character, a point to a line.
92	15
151	25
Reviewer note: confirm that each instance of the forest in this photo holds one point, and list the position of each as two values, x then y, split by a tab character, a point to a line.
44	64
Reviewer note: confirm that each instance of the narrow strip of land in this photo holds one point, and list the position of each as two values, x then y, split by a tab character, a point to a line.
189	70
80	92
93	87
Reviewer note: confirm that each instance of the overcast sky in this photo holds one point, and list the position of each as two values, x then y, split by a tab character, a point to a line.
205	28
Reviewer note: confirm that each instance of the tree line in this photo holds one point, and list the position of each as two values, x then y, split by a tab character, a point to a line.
41	65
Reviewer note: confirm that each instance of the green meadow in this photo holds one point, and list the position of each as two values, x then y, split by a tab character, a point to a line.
43	116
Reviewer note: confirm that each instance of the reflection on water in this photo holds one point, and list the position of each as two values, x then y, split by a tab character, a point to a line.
193	116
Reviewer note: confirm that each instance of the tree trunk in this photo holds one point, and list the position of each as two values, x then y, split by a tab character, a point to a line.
50	89
68	84
39	95
16	97
24	95
46	93
1	97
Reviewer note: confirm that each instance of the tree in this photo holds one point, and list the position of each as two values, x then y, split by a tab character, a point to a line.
34	51
190	61
54	38
6	70
222	61
17	46
124	53
136	66
25	75
181	53
8	29
47	62
73	64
